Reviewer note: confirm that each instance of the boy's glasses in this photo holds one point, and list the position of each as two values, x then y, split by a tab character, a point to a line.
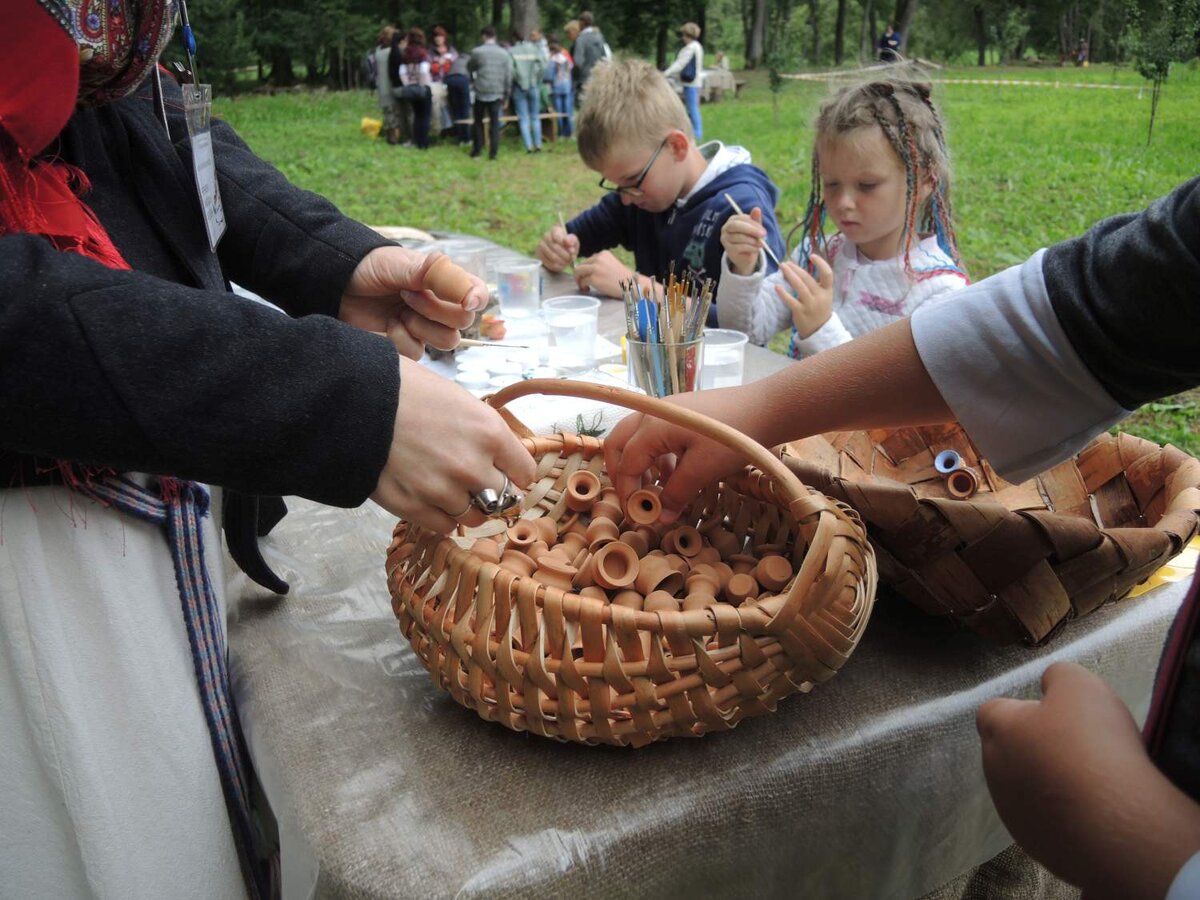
635	189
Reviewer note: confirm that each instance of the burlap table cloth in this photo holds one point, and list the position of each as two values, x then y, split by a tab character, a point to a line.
869	786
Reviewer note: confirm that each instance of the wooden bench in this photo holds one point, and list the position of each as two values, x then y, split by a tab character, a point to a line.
551	117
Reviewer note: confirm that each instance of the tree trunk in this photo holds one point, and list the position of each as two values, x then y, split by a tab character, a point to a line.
903	19
660	45
839	34
497	15
866	36
1154	107
525	16
282	74
758	30
814	20
981	34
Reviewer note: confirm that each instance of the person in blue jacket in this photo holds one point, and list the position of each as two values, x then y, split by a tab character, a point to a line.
667	197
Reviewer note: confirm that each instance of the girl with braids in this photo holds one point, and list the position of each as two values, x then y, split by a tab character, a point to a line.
881	172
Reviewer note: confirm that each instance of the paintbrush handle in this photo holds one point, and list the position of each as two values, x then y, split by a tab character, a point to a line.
771	253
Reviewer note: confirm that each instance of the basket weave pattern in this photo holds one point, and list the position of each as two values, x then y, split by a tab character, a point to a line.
1014	562
540	658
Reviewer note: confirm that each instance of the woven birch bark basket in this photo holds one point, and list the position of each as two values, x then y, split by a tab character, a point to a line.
1013	562
618	630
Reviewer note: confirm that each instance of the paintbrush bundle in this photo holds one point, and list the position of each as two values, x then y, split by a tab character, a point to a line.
664	330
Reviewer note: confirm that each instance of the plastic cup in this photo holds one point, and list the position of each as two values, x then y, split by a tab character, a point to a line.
664	369
573	322
724	358
520	288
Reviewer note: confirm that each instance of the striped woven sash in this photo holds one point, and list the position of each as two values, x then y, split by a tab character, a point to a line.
178	510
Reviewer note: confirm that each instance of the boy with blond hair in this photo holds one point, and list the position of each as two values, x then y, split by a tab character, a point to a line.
666	196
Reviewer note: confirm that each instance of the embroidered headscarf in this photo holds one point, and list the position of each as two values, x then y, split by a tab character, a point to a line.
56	55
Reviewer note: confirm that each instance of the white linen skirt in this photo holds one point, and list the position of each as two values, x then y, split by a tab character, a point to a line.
108	780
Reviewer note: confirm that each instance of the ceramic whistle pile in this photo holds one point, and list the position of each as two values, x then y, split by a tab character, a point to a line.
590	621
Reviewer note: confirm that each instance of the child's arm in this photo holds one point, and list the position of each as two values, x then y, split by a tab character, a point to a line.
557	249
747	302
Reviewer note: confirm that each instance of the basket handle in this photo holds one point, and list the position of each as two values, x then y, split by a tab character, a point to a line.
730	437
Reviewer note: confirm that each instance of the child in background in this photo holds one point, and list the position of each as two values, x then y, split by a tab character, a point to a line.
561	87
666	196
881	172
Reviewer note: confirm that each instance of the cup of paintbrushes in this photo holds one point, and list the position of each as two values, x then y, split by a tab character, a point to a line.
664	368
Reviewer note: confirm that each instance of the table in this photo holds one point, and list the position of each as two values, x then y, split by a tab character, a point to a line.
870	785
716	83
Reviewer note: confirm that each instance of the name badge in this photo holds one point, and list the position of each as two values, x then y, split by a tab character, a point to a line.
197	104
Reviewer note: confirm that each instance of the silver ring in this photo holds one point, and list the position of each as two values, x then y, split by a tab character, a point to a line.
496	503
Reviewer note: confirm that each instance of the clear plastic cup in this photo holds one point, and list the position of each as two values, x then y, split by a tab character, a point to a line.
467	253
664	369
724	358
520	288
573	322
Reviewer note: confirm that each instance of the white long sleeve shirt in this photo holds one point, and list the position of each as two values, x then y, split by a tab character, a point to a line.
867	294
686	52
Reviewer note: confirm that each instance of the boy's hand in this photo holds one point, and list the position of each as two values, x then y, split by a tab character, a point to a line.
742	237
603	273
1073	784
810	300
557	249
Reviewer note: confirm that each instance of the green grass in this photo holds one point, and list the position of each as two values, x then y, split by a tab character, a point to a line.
1033	165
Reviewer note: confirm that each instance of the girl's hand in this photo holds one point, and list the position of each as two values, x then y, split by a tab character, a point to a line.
446	446
557	249
742	237
810	300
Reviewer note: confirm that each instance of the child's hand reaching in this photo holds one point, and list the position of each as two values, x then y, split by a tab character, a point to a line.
1072	781
810	299
558	249
602	274
742	237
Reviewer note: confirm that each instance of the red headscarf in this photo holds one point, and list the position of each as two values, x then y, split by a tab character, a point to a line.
55	55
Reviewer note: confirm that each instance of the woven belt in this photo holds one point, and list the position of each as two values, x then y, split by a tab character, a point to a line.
178	510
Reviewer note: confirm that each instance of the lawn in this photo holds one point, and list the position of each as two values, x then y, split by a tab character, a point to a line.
1033	165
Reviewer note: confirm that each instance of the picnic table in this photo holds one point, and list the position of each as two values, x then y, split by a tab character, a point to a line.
869	786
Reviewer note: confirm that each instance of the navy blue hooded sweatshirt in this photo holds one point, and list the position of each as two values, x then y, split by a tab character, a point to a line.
689	233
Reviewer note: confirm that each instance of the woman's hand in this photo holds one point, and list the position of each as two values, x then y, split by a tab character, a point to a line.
743	236
810	300
386	294
446	446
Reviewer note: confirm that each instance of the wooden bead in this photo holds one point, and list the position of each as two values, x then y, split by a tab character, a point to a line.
487	550
616	566
601	531
637	541
593	591
522	534
643	506
656	574
554	571
741	587
629	599
688	541
583	487
773	572
742	563
547	528
661	601
517	562
447	280
572	543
